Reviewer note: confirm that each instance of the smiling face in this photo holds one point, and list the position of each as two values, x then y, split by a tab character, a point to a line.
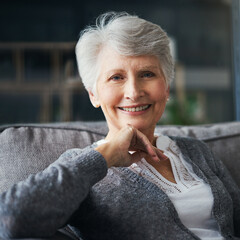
130	90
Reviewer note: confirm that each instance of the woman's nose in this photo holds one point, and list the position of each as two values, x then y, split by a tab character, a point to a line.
133	89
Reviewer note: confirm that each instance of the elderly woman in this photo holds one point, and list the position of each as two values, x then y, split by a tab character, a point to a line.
132	184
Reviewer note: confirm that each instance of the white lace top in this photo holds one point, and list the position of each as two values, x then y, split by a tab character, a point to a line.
183	178
192	198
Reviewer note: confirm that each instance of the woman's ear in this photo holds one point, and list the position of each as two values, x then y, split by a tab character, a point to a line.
94	99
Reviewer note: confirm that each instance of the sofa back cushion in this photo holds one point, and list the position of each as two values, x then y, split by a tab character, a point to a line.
29	148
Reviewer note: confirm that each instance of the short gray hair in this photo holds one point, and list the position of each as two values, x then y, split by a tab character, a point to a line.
129	35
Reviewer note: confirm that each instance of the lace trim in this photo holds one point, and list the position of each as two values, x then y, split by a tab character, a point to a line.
184	180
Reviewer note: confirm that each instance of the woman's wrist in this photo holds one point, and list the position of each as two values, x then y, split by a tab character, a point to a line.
106	151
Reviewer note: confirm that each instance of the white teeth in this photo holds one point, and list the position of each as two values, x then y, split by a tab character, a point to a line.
137	109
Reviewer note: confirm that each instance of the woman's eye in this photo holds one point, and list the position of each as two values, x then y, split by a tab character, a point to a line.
116	78
147	74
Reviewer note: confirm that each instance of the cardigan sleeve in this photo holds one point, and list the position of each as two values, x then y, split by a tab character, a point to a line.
43	203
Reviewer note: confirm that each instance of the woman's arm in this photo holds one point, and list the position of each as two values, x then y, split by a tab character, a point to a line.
41	204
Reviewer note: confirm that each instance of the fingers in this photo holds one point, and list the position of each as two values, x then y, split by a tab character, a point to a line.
141	143
116	151
153	153
138	155
161	155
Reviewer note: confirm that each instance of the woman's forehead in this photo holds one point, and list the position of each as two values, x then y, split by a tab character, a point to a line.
111	60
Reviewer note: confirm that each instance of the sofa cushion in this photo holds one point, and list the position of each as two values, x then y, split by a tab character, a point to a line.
29	148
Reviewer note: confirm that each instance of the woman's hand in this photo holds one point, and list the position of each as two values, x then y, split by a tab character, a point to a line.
116	150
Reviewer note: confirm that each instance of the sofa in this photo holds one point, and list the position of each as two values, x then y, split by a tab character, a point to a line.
29	148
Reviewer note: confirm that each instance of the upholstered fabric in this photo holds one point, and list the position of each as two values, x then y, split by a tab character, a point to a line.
29	148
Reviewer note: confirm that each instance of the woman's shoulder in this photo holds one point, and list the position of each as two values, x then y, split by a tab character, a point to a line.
194	147
196	150
182	143
189	142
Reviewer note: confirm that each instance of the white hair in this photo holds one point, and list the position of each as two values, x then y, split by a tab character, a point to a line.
129	35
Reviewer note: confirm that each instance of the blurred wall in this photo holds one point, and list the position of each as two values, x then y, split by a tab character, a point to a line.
38	75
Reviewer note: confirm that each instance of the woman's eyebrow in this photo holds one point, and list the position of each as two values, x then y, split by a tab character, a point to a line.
140	69
114	71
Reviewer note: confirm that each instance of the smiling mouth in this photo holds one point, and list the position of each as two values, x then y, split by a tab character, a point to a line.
135	109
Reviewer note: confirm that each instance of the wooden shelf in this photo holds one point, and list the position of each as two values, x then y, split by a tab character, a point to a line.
63	78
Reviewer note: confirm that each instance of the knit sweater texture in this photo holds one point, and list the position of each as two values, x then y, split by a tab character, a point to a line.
112	204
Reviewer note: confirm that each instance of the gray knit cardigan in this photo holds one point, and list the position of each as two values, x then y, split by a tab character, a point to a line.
115	204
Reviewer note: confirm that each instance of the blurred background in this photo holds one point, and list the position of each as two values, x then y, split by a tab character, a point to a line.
39	80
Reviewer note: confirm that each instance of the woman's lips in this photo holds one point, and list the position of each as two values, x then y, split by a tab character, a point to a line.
135	109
